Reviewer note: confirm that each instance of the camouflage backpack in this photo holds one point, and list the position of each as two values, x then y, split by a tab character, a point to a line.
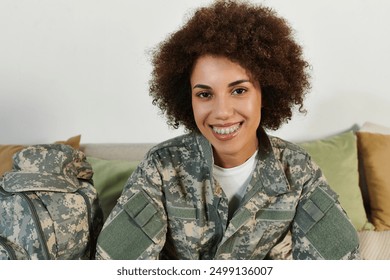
49	208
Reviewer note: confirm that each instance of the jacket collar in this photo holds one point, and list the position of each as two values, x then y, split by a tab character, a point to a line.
270	168
272	181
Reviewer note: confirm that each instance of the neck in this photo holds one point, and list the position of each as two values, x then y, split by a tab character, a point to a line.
226	160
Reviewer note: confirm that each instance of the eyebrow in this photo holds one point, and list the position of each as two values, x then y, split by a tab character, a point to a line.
232	84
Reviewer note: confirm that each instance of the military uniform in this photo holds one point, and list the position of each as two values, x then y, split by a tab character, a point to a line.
173	208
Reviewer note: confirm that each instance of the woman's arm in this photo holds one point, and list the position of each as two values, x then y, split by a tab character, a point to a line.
321	228
136	228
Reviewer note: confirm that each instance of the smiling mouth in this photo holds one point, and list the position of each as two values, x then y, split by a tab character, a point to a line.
226	130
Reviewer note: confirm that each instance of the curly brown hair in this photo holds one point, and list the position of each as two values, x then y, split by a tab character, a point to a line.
253	36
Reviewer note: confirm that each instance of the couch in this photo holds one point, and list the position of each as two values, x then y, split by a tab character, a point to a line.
355	162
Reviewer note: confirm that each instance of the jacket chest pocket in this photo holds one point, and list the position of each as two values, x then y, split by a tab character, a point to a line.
273	220
184	221
189	230
273	224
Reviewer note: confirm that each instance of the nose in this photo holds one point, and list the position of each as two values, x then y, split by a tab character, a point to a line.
222	107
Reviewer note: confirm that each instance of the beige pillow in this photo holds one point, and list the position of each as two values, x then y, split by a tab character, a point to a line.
7	152
374	149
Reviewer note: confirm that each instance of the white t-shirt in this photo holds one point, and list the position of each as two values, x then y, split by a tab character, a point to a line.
235	180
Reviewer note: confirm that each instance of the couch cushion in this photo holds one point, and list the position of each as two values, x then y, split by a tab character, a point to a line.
110	176
337	157
117	151
375	155
372	128
375	245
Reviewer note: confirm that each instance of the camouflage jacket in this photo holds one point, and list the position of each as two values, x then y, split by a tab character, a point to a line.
173	208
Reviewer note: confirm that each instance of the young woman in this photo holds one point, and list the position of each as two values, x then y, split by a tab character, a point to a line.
227	190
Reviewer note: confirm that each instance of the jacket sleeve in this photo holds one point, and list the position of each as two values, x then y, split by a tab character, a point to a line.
137	226
321	228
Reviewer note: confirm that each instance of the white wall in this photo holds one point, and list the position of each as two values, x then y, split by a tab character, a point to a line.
72	67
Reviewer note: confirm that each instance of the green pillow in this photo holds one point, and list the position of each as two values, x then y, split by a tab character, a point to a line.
337	156
110	176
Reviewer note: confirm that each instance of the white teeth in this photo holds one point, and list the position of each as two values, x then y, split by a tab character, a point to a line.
226	130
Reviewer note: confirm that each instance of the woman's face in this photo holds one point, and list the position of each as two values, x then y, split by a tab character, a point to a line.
227	107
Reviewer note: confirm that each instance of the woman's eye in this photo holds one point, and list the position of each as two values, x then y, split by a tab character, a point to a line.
239	91
204	95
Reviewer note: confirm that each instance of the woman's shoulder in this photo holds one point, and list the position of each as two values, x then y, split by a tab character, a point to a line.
183	145
286	146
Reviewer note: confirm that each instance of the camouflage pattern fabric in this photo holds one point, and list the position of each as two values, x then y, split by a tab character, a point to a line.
173	208
49	208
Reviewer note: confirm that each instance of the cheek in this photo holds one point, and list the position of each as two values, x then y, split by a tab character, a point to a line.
256	112
252	110
196	109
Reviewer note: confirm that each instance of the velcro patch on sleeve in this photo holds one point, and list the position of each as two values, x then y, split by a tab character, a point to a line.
134	230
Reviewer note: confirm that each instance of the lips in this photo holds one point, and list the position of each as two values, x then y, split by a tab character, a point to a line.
226	131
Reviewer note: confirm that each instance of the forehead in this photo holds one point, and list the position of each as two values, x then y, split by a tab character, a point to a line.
217	68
